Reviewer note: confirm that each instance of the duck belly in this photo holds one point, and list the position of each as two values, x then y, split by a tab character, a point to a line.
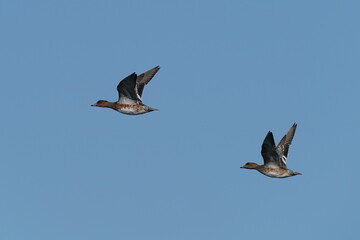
276	173
132	111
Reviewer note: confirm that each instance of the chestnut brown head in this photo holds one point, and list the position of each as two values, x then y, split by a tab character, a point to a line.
250	165
101	103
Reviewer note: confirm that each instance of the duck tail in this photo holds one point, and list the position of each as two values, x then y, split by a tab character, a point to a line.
152	109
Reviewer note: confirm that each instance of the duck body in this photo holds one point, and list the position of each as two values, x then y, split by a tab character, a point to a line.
270	170
277	172
131	109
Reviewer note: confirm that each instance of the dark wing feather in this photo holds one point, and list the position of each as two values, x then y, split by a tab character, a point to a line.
284	144
127	86
268	150
145	78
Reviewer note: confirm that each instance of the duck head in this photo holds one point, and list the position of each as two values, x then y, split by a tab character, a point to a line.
250	165
101	103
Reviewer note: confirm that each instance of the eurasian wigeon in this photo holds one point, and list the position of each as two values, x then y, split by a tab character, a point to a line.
275	156
130	90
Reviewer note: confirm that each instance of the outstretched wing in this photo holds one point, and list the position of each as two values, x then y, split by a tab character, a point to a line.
144	79
283	147
127	90
268	150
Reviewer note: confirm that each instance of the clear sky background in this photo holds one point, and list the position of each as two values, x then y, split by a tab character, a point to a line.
230	72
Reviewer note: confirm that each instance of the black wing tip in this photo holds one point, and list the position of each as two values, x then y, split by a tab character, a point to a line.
156	69
269	138
132	75
294	126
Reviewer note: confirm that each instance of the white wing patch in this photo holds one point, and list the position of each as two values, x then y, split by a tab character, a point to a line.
137	93
125	100
283	159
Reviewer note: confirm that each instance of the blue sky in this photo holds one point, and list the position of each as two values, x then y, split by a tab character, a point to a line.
230	72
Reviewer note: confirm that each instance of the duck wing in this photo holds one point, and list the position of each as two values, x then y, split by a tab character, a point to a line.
127	90
283	147
144	79
268	150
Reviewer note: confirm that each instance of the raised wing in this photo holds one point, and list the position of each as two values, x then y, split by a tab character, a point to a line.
268	150
144	79
127	90
283	147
